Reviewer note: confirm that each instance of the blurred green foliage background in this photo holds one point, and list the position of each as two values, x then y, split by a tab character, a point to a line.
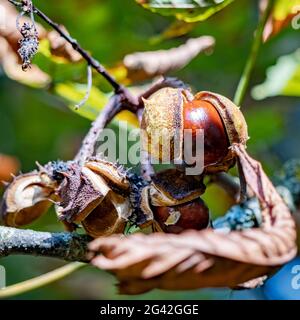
37	126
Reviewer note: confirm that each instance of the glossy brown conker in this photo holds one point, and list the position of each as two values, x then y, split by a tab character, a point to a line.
190	215
203	118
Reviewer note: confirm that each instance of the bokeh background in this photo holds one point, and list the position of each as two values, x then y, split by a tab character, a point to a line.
37	125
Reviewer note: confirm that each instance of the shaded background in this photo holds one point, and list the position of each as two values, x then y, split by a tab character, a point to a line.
36	125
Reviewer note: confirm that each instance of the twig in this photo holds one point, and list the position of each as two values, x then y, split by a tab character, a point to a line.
120	101
112	108
76	46
245	78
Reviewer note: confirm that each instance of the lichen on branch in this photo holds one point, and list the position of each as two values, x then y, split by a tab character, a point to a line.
62	245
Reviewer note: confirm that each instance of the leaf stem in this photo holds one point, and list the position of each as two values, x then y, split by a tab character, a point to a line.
245	78
40	281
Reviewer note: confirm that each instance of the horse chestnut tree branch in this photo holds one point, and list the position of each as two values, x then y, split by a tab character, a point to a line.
252	240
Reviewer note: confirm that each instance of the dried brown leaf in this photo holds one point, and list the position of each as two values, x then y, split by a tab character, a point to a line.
146	65
207	258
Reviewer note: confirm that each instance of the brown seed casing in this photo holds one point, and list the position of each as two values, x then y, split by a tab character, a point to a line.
26	199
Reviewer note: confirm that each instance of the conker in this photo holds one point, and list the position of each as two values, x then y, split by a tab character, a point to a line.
170	111
190	215
199	114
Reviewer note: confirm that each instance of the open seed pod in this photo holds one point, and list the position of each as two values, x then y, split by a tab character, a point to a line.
26	199
172	202
172	187
96	196
169	113
113	174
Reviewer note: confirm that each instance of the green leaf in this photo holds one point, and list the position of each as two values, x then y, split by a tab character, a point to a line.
282	78
186	10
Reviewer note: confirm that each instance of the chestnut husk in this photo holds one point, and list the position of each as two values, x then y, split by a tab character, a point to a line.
96	196
163	112
169	189
26	198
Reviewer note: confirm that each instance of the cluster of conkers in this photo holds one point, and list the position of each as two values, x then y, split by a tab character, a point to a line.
102	196
173	110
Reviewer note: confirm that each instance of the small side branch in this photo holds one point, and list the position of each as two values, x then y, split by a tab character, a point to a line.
76	46
112	108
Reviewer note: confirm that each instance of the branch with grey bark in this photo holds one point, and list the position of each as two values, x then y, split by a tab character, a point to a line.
62	245
73	246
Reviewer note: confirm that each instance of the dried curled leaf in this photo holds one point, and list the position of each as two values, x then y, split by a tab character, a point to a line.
146	65
207	258
26	199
